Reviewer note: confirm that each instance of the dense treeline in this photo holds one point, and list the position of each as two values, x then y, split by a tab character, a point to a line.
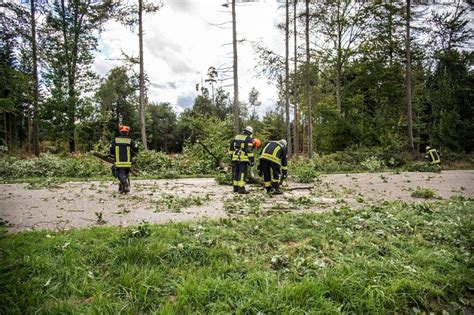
356	75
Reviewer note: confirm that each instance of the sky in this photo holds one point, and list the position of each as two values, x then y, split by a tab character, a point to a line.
180	44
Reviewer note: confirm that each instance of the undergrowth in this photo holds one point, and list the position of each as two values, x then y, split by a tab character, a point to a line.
392	258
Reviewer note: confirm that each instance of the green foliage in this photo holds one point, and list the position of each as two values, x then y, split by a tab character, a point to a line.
224	178
174	203
50	165
424	192
389	258
302	170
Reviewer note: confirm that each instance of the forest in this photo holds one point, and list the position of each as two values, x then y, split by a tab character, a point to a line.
350	66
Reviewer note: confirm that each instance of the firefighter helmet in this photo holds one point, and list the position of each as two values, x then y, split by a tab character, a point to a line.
249	129
257	143
428	147
124	129
283	142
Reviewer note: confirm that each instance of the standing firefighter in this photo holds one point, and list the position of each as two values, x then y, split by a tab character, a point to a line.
123	150
242	155
273	165
433	156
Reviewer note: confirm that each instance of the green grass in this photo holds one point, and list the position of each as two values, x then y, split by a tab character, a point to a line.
396	257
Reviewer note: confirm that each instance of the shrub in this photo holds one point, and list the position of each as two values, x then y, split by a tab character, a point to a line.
372	164
424	192
303	170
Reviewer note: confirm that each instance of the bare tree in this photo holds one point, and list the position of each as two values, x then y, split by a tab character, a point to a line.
36	145
236	75
411	146
295	84
127	14
308	87
287	82
141	75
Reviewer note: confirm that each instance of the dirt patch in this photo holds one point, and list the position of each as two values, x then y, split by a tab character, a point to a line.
83	204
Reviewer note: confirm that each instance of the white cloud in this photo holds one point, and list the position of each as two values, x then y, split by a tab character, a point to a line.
180	44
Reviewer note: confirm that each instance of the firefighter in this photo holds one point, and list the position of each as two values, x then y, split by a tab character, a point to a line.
433	156
273	165
123	149
242	155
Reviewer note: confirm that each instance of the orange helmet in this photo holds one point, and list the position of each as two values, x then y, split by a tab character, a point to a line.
124	129
257	143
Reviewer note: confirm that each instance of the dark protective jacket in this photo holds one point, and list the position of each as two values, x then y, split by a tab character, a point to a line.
275	152
241	149
123	149
433	156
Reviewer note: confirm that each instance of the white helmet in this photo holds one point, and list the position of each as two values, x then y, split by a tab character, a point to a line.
249	129
283	142
428	147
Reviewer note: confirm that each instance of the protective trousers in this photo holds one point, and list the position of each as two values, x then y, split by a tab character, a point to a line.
123	175
271	174
239	173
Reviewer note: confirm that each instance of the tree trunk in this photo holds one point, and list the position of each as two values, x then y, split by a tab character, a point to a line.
236	75
287	82
36	146
339	63
411	147
142	79
308	87
296	148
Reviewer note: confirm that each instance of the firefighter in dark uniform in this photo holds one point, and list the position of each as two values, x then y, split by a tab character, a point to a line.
123	149
433	156
273	165
242	155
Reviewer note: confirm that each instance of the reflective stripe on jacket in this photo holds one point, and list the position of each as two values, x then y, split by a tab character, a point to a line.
274	152
122	150
434	156
241	149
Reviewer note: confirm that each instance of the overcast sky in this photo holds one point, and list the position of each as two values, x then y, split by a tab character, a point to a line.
181	43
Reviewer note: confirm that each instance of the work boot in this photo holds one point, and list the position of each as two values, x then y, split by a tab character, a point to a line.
242	191
126	189
236	188
268	189
276	189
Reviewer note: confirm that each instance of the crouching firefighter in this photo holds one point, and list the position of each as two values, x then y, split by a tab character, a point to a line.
242	155
273	165
123	149
433	156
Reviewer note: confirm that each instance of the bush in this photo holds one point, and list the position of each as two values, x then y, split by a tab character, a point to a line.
303	170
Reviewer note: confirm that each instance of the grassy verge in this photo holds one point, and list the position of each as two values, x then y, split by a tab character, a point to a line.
397	257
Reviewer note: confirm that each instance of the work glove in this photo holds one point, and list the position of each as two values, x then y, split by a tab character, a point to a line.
252	163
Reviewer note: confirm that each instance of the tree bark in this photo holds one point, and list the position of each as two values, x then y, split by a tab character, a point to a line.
411	146
296	148
339	62
308	87
236	75
287	81
36	147
142	79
